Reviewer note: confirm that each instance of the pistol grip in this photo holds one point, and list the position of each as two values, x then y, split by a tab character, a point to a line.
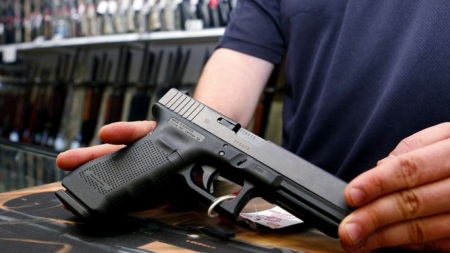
135	176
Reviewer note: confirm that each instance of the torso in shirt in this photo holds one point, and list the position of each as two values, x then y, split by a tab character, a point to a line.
362	75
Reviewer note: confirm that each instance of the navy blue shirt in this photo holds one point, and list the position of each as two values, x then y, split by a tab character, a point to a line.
360	75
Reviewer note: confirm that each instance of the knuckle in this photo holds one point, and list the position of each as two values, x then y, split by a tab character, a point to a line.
432	246
408	144
428	247
409	171
376	219
409	204
416	232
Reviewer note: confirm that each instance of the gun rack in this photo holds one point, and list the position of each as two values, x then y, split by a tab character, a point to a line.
210	35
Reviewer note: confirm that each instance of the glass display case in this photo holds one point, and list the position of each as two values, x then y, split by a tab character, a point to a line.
23	165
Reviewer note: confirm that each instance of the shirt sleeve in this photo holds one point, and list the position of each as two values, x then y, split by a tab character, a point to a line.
254	29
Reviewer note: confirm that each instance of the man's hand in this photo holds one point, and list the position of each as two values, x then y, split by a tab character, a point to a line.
405	200
115	136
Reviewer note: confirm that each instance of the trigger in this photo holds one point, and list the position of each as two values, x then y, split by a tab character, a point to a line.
204	177
209	176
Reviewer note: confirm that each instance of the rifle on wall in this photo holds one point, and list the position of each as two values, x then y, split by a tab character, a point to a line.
63	136
94	97
38	113
176	67
146	86
56	102
116	97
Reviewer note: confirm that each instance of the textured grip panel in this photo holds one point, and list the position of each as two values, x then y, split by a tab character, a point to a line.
123	167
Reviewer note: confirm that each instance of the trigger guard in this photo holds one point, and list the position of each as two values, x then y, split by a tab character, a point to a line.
231	208
194	183
234	206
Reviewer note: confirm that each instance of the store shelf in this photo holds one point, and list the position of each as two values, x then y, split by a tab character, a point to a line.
161	37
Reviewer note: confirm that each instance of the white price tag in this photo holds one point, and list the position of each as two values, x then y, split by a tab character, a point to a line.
272	218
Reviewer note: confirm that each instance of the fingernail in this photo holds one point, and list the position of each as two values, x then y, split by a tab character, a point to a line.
357	196
354	232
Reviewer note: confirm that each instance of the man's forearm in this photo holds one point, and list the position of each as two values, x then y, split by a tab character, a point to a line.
232	83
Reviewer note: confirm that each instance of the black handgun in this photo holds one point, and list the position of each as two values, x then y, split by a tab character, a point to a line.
189	134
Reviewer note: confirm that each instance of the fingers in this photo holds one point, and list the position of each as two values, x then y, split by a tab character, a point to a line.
72	159
420	139
442	245
397	219
409	170
423	138
403	200
118	133
125	132
428	233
